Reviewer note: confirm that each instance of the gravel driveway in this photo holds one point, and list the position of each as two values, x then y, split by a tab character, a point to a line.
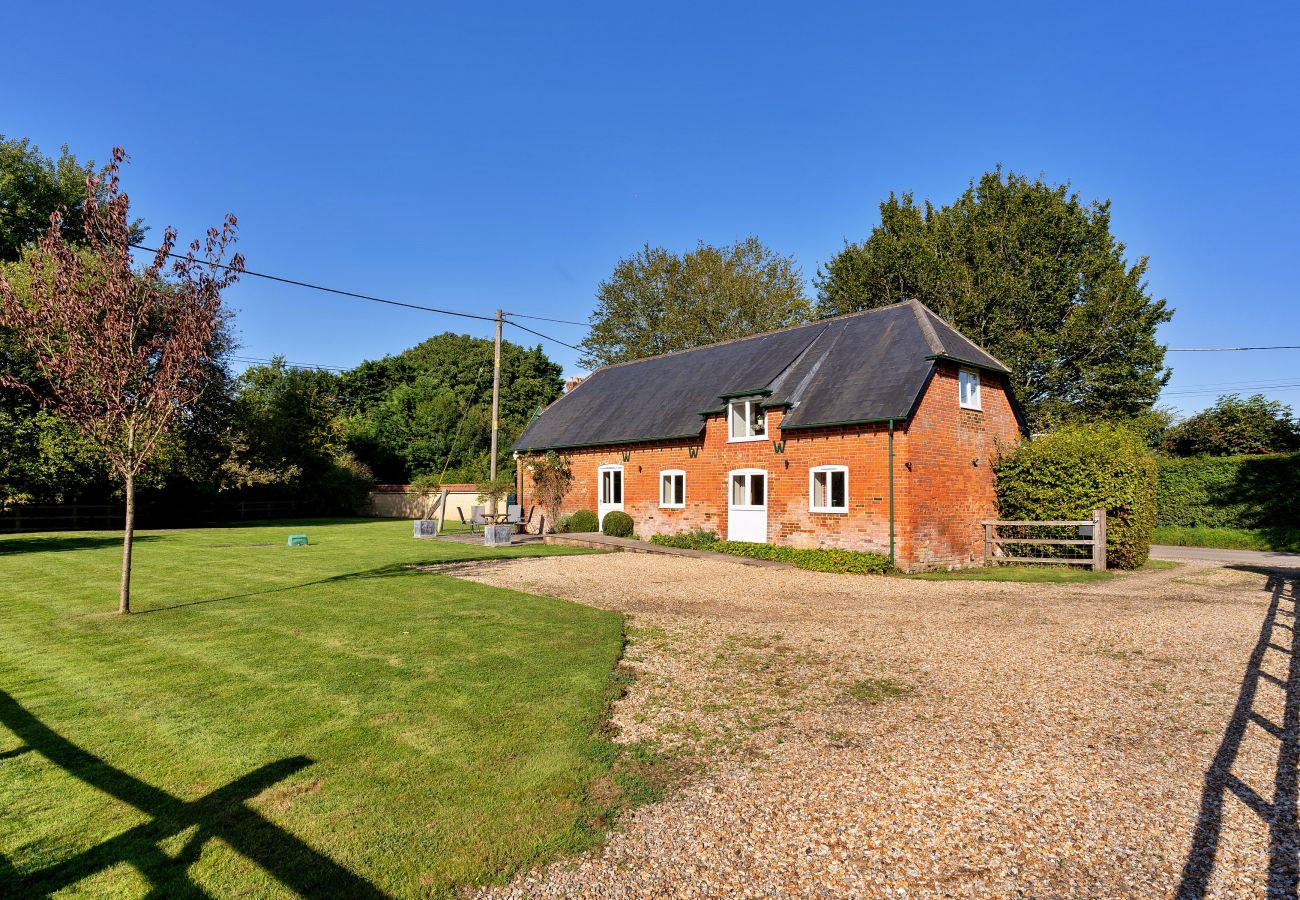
886	737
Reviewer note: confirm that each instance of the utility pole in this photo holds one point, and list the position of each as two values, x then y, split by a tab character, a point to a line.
496	410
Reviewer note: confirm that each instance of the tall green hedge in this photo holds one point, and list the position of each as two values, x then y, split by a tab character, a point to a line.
1067	473
1230	491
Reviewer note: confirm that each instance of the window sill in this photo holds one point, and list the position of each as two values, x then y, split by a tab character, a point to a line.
672	505
972	408
837	512
746	440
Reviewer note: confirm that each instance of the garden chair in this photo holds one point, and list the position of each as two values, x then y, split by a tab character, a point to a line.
515	515
476	517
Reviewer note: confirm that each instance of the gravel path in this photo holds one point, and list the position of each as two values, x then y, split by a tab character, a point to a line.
885	737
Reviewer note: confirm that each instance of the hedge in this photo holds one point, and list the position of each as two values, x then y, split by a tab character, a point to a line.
584	520
854	562
617	524
1230	491
1067	473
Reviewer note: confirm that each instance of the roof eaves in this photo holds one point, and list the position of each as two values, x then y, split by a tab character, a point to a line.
971	362
614	443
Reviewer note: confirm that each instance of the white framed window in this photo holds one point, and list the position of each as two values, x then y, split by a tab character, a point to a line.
672	489
747	420
828	489
969	387
748	489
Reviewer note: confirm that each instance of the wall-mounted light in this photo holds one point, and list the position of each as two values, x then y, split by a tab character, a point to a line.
908	465
975	462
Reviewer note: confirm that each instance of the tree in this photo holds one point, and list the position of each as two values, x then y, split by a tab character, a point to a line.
1234	426
34	186
427	410
123	355
552	478
1031	273
656	301
288	437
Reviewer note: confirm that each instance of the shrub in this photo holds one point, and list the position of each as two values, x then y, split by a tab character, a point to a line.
562	524
700	539
1067	473
1230	491
617	524
854	562
584	520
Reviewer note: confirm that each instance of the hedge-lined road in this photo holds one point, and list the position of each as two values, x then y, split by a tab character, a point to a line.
861	736
1259	558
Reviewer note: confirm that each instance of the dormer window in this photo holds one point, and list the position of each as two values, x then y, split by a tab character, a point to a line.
748	420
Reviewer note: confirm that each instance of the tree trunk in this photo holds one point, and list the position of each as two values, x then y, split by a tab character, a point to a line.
124	599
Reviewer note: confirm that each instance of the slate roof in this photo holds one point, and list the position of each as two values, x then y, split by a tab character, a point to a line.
861	367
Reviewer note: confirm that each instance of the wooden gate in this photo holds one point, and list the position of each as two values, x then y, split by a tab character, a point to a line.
1089	534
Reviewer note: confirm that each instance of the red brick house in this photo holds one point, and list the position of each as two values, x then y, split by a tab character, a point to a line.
870	431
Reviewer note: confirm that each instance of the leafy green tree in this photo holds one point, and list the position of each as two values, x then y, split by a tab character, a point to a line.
289	439
33	186
427	410
657	301
1031	273
1234	426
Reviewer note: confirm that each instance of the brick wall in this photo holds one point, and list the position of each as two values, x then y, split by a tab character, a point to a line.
949	487
938	503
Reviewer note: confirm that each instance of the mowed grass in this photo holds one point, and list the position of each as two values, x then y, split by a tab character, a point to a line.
1280	539
273	721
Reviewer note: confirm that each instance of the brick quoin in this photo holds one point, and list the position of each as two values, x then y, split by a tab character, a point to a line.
943	477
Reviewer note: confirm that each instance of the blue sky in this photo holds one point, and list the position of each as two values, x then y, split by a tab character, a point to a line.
477	156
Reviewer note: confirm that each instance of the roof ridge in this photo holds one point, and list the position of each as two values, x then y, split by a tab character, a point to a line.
750	337
919	310
957	331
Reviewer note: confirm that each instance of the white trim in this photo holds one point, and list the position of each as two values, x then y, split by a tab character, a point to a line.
674	473
601	506
962	376
812	489
731	417
747	506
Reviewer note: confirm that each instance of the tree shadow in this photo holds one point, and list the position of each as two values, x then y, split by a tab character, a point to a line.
391	570
222	814
63	543
1279	633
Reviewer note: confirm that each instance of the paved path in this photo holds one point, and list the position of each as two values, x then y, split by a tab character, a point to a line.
1259	558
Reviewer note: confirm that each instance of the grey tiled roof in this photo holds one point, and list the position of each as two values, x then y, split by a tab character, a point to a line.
867	366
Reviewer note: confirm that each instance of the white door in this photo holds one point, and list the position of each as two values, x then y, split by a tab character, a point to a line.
611	491
747	506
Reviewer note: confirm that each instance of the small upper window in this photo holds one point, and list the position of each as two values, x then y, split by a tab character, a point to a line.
970	390
828	488
672	489
748	420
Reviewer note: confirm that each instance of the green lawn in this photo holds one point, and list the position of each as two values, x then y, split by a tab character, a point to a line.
318	720
1280	539
1034	574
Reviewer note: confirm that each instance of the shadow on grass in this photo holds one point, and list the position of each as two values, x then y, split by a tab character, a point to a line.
62	543
1280	633
222	814
392	570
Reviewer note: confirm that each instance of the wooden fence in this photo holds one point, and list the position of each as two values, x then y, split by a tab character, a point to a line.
1089	536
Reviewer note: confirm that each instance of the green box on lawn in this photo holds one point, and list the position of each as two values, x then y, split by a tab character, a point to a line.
297	540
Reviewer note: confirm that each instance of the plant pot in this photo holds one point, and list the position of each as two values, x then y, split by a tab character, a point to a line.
497	535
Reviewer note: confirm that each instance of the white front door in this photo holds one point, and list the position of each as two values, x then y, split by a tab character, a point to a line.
747	506
610	495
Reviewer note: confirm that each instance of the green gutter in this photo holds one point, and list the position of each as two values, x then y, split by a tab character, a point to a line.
891	492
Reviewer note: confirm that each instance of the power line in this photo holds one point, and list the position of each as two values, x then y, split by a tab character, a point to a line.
292	365
540	335
330	290
1228	349
544	319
